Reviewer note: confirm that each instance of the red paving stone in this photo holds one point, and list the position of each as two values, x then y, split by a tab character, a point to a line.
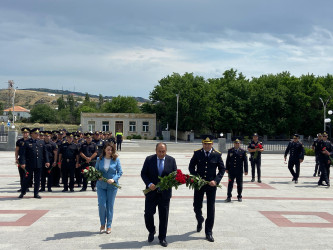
29	217
277	218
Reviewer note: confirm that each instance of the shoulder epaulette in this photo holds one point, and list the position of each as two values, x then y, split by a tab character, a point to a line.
217	151
197	150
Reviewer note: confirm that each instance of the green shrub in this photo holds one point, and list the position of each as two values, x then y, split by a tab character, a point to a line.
145	138
154	138
309	152
136	137
161	137
129	137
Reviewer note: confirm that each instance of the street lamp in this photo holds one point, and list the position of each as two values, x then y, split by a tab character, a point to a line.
177	95
328	120
324	105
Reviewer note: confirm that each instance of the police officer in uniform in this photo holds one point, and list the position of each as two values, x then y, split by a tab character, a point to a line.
326	151
317	149
204	163
99	142
69	158
33	156
78	176
19	144
236	165
119	136
111	138
296	150
255	159
52	151
88	153
56	171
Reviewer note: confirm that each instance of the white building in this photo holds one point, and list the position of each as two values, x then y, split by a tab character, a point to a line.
128	123
19	112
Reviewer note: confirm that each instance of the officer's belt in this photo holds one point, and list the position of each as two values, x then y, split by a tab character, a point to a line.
68	160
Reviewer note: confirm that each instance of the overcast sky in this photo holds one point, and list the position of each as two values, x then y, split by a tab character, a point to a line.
125	47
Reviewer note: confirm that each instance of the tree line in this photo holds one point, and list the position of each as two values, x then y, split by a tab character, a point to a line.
276	105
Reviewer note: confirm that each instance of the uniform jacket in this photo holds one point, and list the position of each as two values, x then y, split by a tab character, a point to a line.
206	168
149	173
296	150
237	161
33	154
50	148
252	145
69	151
114	172
321	145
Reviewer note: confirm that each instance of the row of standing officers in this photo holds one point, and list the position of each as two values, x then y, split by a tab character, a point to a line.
56	155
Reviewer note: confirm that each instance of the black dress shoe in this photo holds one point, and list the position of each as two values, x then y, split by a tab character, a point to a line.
252	180
42	190
37	196
21	196
296	181
209	237
199	226
19	190
83	190
27	190
72	190
239	199
163	243
293	179
228	199
94	189
314	175
49	190
259	181
64	190
151	236
57	185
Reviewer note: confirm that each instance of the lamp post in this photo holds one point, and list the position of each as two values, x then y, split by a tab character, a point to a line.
177	95
330	112
324	105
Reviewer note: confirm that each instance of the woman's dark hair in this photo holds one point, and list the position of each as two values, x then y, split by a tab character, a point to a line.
114	155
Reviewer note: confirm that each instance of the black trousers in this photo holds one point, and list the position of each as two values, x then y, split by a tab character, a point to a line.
68	170
78	176
256	163
325	173
297	164
45	174
154	199
35	172
317	167
239	181
56	176
85	180
22	176
119	146
197	204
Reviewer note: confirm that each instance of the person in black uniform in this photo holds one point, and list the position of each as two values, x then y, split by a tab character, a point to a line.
78	175
88	153
56	171
255	148
317	149
99	142
69	159
205	162
52	151
33	157
326	151
236	165
19	144
159	164
111	138
296	150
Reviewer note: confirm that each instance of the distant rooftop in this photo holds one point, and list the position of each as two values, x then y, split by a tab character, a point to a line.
17	109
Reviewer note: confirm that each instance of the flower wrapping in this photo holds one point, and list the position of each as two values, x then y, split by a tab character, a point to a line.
92	174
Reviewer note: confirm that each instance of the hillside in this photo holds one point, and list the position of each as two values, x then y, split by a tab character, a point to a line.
27	98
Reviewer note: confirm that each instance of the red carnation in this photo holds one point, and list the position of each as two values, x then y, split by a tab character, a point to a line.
192	180
87	168
49	171
324	148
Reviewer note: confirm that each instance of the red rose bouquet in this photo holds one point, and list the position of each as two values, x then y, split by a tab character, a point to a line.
196	182
257	152
174	179
92	174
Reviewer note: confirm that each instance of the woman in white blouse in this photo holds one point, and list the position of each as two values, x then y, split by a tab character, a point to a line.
108	163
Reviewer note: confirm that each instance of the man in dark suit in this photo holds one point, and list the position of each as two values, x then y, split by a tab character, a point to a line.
159	164
32	158
204	163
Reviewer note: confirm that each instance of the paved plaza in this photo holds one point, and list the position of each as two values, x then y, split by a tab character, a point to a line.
274	214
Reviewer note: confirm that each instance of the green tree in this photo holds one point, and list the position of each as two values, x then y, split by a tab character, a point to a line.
43	113
121	104
61	103
1	108
100	101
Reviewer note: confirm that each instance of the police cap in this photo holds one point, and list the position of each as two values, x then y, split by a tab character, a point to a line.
207	139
